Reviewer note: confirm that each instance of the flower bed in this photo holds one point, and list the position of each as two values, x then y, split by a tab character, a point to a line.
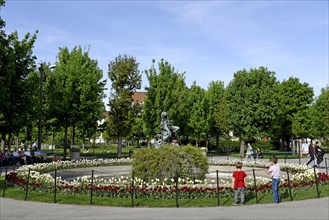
39	180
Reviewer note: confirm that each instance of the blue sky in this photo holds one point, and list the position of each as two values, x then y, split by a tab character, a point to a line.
208	40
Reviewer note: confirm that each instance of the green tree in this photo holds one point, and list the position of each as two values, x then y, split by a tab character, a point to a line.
16	64
74	92
320	119
302	126
197	123
126	79
216	118
251	103
3	57
166	93
293	96
136	131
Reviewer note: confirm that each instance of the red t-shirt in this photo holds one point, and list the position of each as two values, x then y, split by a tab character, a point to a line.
239	179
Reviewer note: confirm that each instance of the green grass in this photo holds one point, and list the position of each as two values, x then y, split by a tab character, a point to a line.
111	152
263	198
97	152
279	155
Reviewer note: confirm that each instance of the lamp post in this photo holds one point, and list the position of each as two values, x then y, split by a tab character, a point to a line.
41	70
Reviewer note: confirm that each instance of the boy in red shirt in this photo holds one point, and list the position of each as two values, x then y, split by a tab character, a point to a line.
239	183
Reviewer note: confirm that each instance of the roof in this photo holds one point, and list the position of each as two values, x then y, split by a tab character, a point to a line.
139	97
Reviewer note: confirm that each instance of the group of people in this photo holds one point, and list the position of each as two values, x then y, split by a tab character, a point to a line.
239	176
239	181
315	152
19	157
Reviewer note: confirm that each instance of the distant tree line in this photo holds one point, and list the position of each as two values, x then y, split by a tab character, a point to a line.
254	106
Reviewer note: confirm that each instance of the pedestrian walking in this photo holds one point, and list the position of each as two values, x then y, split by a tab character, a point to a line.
249	153
319	153
311	152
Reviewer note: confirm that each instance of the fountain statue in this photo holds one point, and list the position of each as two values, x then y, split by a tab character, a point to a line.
167	130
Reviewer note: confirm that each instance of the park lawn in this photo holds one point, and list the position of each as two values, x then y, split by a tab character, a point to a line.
278	154
77	199
111	152
97	152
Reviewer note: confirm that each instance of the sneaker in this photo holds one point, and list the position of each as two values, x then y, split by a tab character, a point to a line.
242	204
235	203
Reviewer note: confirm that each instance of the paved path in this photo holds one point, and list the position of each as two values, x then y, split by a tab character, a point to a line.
306	209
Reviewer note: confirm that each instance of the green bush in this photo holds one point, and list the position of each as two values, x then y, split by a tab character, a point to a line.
168	161
264	146
325	145
233	146
75	148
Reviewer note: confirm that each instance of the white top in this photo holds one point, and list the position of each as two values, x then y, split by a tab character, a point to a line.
275	171
249	150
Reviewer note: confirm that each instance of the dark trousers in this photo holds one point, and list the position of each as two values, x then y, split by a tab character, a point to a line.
311	159
319	159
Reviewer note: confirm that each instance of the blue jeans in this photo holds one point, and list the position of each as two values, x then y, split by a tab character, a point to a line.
275	188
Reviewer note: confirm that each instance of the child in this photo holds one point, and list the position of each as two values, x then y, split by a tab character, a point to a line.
274	171
239	183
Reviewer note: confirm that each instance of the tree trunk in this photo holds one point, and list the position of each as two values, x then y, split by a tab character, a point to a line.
291	140
207	143
242	148
119	151
52	141
17	140
94	146
65	141
72	134
3	140
9	141
217	143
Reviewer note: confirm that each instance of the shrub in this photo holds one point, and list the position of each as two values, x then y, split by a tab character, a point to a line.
168	161
75	148
264	146
225	145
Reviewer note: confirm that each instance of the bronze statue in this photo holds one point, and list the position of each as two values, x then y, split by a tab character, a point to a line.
167	131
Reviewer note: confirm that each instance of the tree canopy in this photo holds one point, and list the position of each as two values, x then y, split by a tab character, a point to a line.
74	91
166	93
293	97
17	63
251	102
126	79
